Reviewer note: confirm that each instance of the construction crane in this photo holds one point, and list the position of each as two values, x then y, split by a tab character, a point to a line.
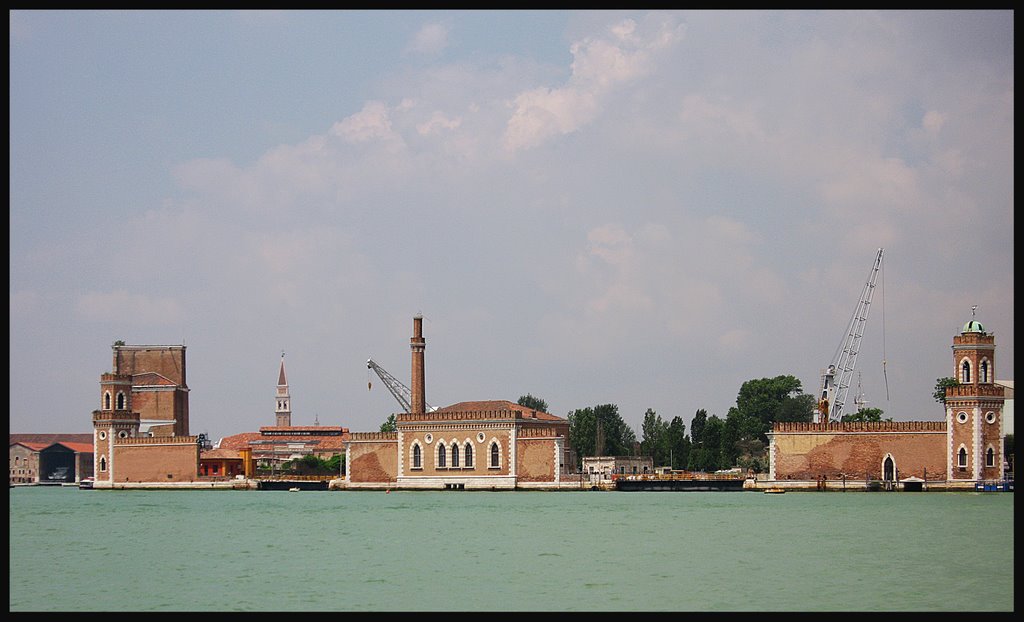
399	390
835	381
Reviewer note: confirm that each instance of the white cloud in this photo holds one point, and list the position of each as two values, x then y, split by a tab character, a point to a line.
600	65
430	39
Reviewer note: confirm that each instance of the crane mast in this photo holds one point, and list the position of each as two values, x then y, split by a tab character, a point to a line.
835	381
395	386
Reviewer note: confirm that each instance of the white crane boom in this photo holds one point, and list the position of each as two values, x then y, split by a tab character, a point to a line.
834	390
399	390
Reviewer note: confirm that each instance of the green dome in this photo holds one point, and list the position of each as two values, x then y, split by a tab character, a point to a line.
973	326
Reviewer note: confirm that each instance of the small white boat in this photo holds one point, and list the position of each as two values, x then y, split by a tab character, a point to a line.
294	489
774	490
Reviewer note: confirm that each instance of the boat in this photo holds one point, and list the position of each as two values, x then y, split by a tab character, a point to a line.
85	483
774	490
294	489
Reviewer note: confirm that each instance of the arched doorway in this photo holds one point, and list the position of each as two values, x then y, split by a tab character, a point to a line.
888	469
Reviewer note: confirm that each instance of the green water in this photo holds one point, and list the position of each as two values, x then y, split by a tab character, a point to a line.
102	550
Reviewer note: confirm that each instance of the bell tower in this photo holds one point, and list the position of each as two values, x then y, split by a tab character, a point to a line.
114	420
283	410
974	407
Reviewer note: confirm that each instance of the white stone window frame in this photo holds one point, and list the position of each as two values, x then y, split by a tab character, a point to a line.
413	455
103	435
121	401
122	434
103	464
106	400
990	456
490	454
990	417
966	455
984	371
467	450
966	371
441	455
962	417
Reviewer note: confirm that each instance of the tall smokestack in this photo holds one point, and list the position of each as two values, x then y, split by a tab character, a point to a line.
418	344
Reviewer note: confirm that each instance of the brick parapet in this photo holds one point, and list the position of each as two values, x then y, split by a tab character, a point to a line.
157	440
860	426
975	390
373	436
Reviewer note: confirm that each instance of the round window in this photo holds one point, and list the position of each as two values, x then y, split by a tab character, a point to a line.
990	417
961	417
429	437
122	434
103	435
480	437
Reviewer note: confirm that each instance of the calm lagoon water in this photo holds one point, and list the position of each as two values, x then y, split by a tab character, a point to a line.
101	550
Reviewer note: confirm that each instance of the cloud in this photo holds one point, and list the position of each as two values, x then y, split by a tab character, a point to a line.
431	39
600	65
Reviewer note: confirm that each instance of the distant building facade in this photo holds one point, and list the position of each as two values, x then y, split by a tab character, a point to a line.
275	445
493	444
600	468
28	466
964	449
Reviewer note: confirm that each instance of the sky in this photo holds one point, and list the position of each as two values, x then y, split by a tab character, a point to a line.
645	209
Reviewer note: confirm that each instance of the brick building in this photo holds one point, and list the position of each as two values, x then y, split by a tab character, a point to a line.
494	444
25	465
140	432
965	448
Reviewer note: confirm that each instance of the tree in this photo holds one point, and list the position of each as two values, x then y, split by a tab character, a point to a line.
533	402
588	426
940	388
390	425
655	441
700	419
678	443
767	400
866	414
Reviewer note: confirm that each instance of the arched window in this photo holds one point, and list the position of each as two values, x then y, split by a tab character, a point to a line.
417	457
961	458
495	457
103	463
441	456
888	469
455	455
106	400
965	372
120	400
990	457
468	455
983	372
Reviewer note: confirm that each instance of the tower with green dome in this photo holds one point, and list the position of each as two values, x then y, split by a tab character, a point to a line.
974	408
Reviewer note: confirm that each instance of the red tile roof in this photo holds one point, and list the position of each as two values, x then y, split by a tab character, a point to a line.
151	378
82	448
49	439
32	446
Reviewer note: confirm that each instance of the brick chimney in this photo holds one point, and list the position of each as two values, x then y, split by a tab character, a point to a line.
418	344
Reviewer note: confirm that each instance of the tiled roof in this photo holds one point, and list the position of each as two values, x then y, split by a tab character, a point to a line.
219	453
49	439
255	439
32	446
489	405
82	448
151	378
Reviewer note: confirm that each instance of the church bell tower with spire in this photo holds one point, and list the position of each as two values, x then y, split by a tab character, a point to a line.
283	411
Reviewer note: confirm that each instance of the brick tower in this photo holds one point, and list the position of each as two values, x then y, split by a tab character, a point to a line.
284	400
974	408
114	419
418	344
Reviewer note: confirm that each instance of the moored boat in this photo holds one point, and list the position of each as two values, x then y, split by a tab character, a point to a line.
774	490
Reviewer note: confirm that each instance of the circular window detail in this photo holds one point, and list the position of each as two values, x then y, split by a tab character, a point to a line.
480	437
103	436
122	434
429	437
961	417
990	417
